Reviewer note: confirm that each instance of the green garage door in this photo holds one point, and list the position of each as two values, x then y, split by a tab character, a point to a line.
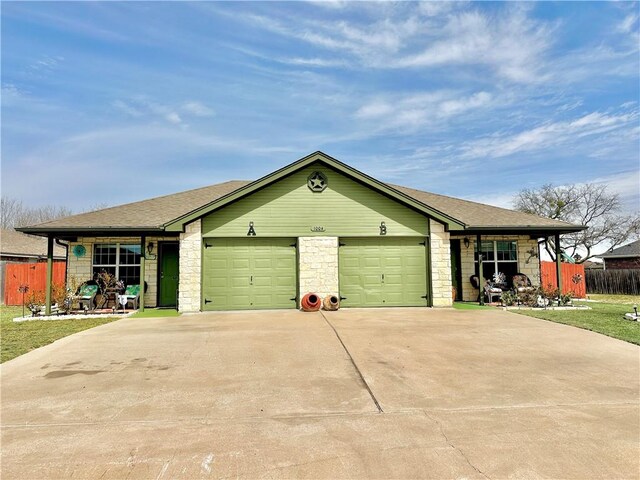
248	273
377	272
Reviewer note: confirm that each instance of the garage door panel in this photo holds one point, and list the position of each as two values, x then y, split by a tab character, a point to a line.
246	273
239	263
364	261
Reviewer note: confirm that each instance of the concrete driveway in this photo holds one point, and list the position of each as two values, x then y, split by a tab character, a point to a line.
384	393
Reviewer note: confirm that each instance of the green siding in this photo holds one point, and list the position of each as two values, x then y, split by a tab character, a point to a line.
377	272
248	273
289	208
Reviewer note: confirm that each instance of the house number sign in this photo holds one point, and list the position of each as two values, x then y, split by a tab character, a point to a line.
317	229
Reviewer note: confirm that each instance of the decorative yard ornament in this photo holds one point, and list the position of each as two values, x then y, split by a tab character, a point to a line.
79	251
24	288
317	182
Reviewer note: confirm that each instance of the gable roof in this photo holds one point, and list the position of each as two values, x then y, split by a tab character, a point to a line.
170	213
630	250
16	244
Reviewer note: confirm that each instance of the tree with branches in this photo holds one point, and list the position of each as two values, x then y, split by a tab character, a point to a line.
14	213
588	204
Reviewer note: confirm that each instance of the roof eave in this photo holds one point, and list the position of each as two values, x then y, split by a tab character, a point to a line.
94	231
527	229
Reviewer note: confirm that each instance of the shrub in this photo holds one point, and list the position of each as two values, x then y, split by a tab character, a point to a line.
508	298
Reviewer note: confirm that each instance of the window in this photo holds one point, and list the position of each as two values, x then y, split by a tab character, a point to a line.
499	256
119	259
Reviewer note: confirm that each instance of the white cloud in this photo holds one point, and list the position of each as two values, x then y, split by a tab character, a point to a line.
142	106
46	63
198	109
545	136
126	108
415	110
331	4
511	44
173	117
628	23
428	35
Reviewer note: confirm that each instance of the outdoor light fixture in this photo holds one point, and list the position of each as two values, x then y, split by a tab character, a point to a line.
252	231
383	228
466	242
150	248
635	309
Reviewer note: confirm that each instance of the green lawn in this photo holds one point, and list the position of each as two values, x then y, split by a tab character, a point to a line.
606	318
622	299
156	312
18	338
470	306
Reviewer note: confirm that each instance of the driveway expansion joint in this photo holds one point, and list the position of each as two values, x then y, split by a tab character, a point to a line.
353	362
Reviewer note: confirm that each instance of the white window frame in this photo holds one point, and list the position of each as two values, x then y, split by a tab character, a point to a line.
495	260
117	264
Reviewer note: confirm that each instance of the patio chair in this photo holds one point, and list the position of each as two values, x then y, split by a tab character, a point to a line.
86	296
131	294
492	291
522	283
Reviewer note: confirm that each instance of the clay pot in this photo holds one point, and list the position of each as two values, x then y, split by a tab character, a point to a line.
310	303
331	302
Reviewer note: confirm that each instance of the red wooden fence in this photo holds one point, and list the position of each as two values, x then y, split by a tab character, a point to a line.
573	279
32	274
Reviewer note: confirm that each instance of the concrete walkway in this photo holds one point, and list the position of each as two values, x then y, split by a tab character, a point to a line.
384	393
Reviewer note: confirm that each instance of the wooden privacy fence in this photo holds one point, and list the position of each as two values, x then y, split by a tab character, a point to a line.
32	274
573	278
625	282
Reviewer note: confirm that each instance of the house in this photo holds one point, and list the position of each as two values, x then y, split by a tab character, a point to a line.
316	225
625	257
18	253
19	247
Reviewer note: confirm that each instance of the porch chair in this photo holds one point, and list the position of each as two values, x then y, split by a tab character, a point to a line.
492	291
522	283
86	295
131	294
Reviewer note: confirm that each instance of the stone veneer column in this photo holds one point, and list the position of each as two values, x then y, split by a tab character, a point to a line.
440	265
190	268
318	265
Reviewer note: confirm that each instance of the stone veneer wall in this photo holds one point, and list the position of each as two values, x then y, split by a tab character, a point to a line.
526	265
440	265
81	268
190	268
318	265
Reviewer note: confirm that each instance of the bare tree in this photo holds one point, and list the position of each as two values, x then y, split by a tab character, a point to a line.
588	204
14	213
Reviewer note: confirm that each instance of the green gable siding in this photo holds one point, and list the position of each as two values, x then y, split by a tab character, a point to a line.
289	208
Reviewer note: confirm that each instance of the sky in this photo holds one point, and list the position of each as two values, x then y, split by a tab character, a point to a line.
107	103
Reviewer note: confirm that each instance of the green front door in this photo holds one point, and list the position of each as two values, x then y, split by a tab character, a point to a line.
378	272
168	274
248	273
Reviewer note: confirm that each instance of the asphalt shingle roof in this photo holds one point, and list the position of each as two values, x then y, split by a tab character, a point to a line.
156	212
151	213
475	214
630	250
17	244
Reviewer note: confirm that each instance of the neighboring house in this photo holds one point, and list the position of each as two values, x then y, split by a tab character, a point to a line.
316	225
589	265
16	247
625	257
19	247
